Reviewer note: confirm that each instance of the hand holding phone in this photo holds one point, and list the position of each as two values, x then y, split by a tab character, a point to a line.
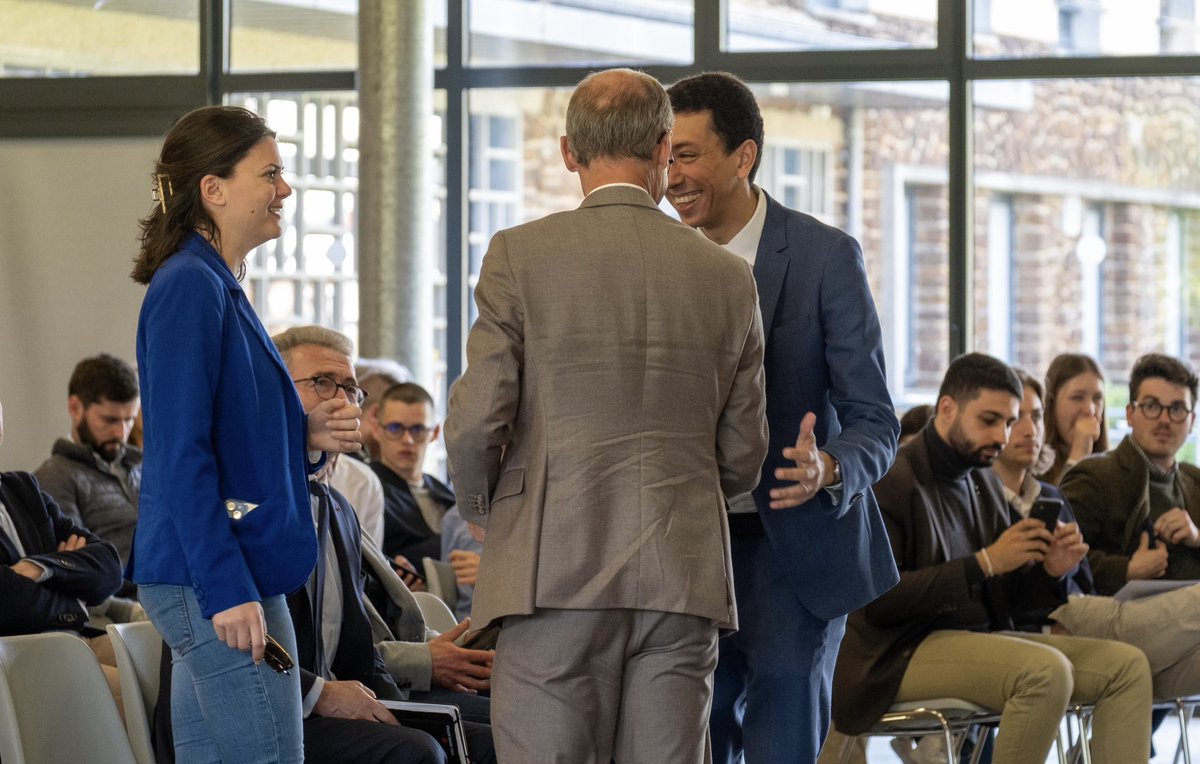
407	573
1047	510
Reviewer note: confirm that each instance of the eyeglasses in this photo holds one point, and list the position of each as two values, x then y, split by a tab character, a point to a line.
276	656
395	431
326	388
1177	412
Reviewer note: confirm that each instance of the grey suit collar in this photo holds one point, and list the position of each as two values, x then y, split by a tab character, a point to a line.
771	261
603	197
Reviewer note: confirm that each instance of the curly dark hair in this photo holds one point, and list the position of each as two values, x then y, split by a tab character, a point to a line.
207	141
735	114
1157	365
103	378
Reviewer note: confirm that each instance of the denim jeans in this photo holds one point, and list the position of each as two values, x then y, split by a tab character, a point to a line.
223	706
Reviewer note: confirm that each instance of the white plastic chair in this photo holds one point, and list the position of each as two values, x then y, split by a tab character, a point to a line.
437	614
55	704
440	580
138	647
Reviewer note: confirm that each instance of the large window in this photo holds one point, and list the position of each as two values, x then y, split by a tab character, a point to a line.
73	38
1022	174
1099	201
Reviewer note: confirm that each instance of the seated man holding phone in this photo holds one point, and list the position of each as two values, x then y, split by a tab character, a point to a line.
950	627
1166	626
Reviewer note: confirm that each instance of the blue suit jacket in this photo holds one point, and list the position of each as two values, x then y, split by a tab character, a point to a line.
223	424
824	354
87	575
356	657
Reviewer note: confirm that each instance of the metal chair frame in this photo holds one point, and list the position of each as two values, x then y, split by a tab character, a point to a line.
951	718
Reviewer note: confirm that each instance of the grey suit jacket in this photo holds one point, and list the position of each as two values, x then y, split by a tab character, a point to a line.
613	394
401	642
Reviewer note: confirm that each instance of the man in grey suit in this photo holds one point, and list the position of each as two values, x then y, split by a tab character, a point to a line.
614	393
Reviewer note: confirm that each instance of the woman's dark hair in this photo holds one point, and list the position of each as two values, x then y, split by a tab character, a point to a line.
208	141
1063	369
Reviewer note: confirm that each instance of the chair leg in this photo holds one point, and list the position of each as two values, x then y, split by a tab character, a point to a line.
1085	736
981	739
1185	716
1062	741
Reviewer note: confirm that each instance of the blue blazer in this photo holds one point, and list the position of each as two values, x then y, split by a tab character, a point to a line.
356	657
222	423
824	354
85	576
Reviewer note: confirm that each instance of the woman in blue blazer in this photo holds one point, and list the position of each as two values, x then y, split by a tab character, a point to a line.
224	524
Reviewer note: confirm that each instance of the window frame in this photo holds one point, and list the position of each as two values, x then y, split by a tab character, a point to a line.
108	107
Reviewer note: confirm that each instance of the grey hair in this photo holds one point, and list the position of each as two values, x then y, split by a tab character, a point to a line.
605	121
289	340
391	370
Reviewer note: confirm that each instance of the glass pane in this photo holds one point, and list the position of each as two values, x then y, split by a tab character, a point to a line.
1091	237
73	38
285	36
531	32
869	158
280	36
516	172
830	24
1032	28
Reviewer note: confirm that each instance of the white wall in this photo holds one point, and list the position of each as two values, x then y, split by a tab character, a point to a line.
68	232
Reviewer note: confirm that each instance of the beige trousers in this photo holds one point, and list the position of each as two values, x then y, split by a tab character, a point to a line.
103	650
1166	627
594	686
1032	678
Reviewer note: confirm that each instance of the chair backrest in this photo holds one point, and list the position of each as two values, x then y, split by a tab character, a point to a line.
437	614
138	648
55	704
440	580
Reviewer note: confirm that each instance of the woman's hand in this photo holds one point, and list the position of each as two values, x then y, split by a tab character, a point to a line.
242	627
1087	432
333	427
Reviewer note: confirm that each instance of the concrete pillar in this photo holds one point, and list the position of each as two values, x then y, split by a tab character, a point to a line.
395	246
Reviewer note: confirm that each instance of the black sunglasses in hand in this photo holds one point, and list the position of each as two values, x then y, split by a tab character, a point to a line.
276	656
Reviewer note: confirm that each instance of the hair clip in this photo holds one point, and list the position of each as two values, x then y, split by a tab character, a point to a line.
157	191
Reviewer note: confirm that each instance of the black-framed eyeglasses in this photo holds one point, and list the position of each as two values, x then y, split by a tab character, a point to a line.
1153	409
326	389
395	431
276	656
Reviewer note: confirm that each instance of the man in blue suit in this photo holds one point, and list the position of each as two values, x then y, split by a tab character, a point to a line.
809	545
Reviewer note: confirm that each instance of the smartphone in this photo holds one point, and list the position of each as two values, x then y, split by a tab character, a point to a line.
1047	510
402	571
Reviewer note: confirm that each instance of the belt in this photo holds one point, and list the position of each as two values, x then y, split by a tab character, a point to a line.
746	525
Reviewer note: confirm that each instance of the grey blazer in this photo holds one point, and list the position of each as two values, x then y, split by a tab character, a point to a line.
613	395
401	642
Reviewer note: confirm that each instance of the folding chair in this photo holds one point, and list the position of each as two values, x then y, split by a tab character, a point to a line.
952	718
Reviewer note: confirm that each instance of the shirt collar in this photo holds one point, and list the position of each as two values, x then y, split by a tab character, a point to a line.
613	185
745	243
1155	470
1031	489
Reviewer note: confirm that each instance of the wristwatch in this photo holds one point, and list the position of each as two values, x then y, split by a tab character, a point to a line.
837	469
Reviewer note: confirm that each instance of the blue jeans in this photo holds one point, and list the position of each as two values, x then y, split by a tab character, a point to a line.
223	706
